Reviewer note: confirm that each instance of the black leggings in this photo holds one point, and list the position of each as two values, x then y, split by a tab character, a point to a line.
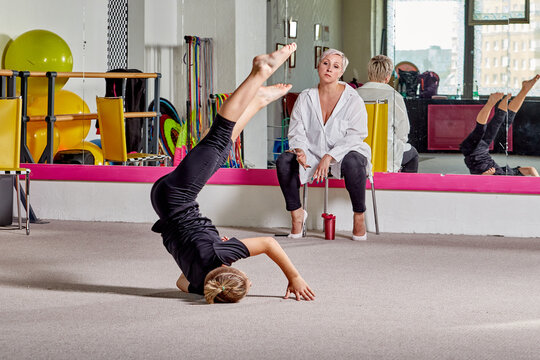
410	161
174	191
486	133
353	170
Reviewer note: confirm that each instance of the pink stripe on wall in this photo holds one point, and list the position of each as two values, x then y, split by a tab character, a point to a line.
263	177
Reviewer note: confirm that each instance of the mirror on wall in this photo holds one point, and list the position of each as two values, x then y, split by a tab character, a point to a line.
470	61
40	37
199	56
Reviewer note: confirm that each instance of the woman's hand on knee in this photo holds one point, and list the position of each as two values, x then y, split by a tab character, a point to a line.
321	172
301	157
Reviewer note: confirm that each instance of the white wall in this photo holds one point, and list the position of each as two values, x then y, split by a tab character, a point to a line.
263	206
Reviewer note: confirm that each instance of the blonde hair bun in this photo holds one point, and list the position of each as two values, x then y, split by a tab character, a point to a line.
226	285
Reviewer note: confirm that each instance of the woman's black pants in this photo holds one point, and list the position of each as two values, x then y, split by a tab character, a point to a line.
180	187
353	170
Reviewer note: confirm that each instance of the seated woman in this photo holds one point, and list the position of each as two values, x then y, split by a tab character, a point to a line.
191	238
402	156
475	147
327	130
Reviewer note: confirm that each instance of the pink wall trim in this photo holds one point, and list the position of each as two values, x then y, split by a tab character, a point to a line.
263	177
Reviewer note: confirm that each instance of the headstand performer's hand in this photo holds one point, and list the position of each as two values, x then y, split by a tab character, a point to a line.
300	289
270	247
489	171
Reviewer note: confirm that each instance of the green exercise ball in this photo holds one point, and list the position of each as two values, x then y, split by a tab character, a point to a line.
42	51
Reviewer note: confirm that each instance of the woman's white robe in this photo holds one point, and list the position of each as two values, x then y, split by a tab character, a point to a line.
344	131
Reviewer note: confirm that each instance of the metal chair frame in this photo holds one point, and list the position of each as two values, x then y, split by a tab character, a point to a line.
369	176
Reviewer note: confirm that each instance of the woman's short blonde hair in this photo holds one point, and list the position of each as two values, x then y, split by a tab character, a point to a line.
226	285
380	67
334	52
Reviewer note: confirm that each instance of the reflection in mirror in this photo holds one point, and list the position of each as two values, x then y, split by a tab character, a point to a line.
430	76
520	59
440	124
37	44
234	44
435	48
503	55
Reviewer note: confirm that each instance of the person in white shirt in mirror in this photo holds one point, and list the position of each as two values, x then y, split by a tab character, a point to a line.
328	125
402	156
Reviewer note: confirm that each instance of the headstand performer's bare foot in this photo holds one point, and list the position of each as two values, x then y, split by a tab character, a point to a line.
494	97
526	86
265	95
263	67
267	64
268	94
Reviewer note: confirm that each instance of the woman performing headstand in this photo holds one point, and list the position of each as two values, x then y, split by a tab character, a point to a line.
194	242
475	147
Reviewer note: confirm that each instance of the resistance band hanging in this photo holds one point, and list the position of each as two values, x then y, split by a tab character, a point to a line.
235	158
199	65
201	104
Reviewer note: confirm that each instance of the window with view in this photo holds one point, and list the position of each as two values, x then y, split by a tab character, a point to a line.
430	34
517	61
421	34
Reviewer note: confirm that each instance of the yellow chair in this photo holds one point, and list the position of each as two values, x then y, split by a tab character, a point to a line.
377	140
113	133
10	150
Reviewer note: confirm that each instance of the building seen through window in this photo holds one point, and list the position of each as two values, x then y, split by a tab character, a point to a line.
430	41
430	34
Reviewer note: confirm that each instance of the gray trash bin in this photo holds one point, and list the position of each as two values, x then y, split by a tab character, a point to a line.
6	200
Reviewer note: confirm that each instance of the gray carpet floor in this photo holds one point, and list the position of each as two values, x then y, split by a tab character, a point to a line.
87	290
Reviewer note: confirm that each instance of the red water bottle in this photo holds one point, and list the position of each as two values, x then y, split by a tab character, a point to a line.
329	226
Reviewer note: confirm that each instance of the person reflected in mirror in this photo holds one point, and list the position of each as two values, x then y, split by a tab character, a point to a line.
475	147
328	125
402	156
194	242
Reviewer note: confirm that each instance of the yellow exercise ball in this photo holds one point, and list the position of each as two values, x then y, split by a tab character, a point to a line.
92	148
41	51
36	139
65	102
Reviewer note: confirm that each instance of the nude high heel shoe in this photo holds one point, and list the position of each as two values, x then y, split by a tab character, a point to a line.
300	234
360	238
